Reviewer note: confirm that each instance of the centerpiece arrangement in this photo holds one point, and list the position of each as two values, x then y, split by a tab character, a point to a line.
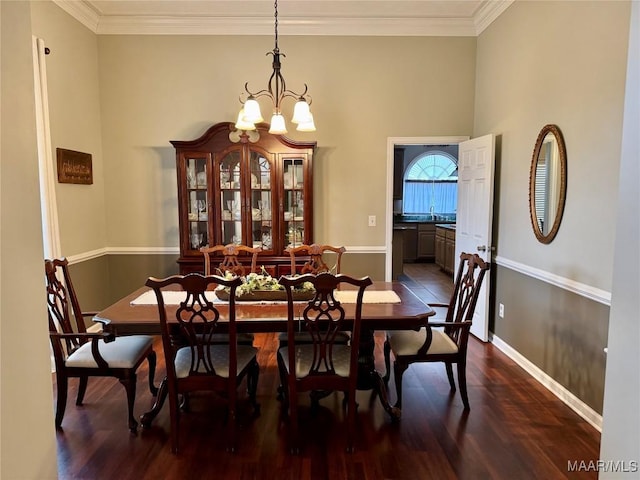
262	286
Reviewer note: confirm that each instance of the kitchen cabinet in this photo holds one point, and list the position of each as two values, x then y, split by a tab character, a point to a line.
408	232
249	188
426	242
445	248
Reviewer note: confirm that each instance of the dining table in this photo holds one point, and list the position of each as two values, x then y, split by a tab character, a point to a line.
386	306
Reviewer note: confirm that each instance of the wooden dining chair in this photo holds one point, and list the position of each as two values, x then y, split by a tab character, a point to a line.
194	362
441	341
81	354
313	264
230	261
323	364
314	261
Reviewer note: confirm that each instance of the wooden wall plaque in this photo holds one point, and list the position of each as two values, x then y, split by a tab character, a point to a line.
74	167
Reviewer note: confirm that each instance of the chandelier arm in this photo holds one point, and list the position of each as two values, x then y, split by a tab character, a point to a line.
291	94
258	94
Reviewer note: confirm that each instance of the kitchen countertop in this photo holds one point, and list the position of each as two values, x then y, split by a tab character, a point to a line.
439	219
447	226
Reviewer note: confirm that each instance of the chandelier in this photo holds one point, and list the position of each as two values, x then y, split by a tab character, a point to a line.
277	91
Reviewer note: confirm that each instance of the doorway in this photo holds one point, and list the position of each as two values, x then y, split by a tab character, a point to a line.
392	144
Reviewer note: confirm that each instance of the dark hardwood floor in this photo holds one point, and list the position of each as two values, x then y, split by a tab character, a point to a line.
516	429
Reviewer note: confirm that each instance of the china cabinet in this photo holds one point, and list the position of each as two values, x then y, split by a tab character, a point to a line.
249	188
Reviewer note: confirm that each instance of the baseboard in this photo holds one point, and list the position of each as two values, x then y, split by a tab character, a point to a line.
554	387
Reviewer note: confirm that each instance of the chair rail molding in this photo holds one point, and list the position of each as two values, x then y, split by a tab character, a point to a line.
593	293
83	257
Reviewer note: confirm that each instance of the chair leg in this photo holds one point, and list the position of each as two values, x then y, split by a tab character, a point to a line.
282	388
398	371
351	421
174	415
293	426
185	404
387	361
62	384
151	358
252	385
129	382
231	425
82	389
449	367
462	381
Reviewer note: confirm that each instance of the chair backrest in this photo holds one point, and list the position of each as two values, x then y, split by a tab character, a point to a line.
230	262
315	264
471	272
323	317
196	319
63	308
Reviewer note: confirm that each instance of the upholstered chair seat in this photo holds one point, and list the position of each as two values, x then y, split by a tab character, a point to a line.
123	352
408	342
305	355
219	355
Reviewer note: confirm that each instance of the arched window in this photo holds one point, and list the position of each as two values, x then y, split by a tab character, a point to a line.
431	184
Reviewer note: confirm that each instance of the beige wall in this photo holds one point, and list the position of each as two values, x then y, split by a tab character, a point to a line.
27	446
155	89
562	63
74	116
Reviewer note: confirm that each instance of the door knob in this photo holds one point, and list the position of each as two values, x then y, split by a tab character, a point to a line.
482	248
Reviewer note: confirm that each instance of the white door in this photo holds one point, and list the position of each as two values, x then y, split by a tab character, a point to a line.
475	213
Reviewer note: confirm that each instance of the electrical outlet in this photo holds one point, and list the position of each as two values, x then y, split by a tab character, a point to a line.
372	220
501	311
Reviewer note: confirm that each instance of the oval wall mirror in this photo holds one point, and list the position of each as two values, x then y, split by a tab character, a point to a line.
547	183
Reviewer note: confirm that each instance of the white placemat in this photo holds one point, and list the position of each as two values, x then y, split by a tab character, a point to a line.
370	296
170	298
344	296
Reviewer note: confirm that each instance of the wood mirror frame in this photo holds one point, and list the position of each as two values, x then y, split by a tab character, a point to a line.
547	192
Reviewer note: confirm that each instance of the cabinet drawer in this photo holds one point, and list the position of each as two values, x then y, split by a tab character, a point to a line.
450	234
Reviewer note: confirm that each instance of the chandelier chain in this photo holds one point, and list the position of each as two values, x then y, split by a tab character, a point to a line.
275	16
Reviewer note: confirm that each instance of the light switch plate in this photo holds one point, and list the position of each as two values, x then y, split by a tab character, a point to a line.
372	220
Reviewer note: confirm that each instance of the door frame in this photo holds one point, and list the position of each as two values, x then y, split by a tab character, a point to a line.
392	142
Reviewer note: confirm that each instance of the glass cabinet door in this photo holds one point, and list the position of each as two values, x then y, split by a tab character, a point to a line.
197	198
231	198
261	201
293	203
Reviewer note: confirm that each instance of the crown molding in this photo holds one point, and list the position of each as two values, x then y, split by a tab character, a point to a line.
82	12
488	13
287	26
254	25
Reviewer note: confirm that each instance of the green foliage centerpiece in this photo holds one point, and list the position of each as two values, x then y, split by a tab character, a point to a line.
263	287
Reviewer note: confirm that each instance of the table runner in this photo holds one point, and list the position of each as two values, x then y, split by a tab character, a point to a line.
345	296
